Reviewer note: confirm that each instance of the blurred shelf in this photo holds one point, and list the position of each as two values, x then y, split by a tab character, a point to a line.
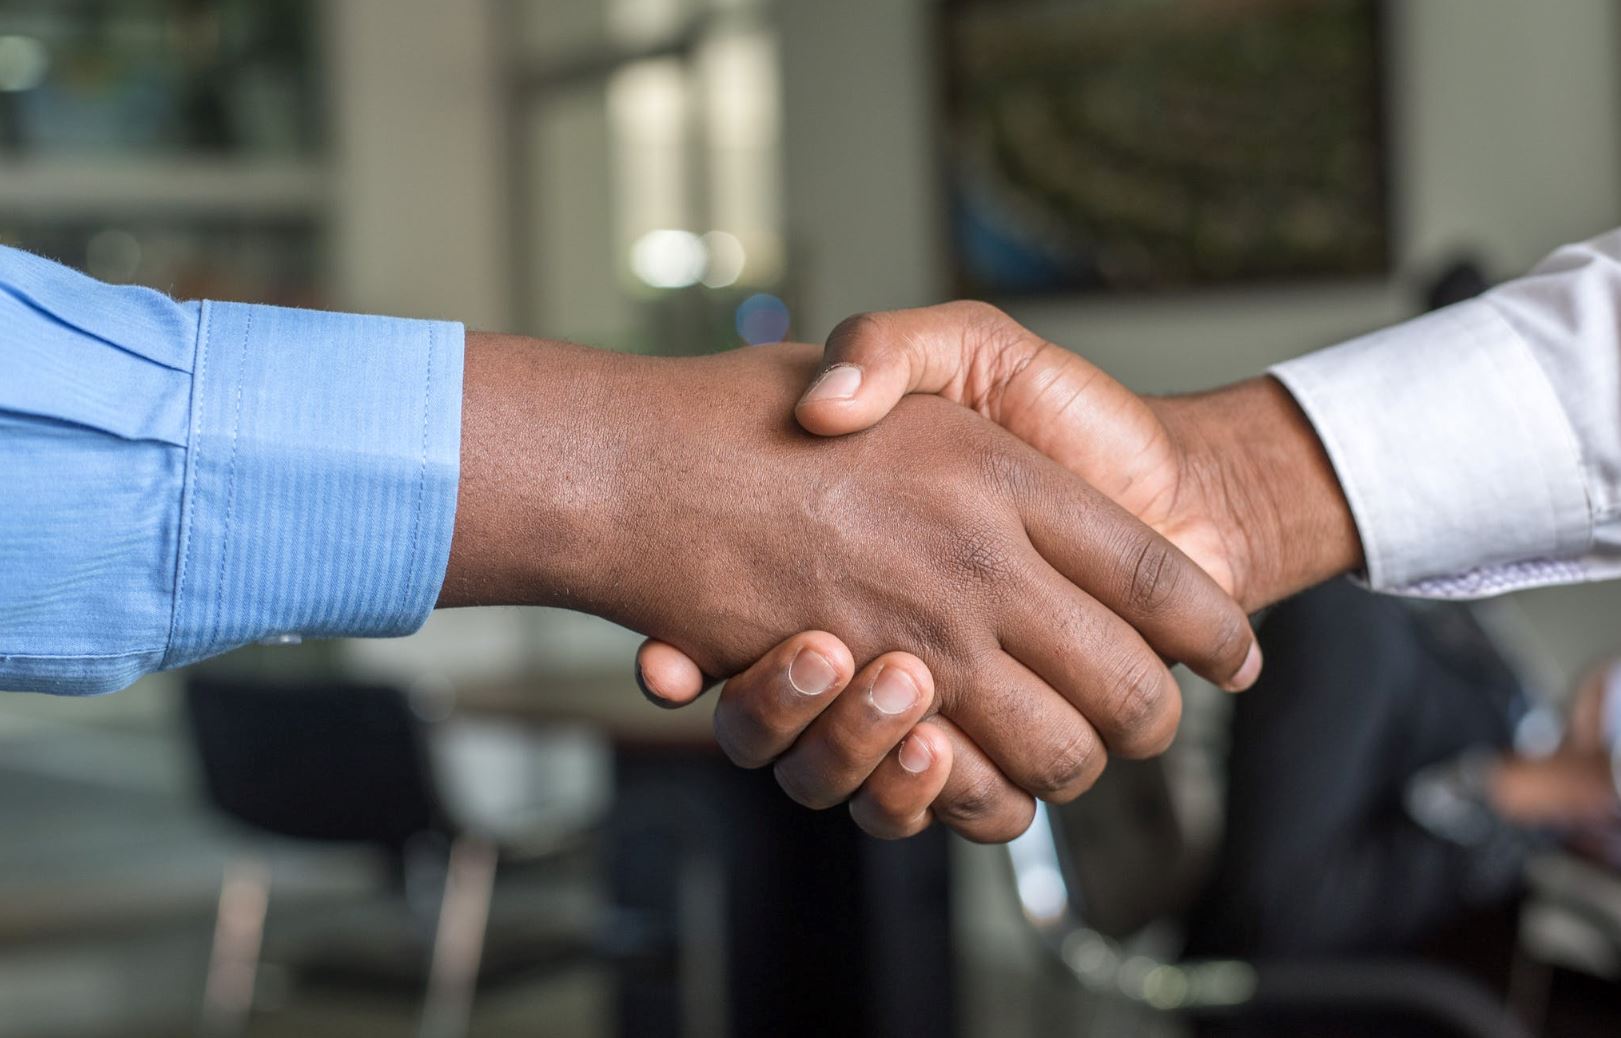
92	186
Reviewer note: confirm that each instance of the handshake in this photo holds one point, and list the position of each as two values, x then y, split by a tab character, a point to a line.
945	579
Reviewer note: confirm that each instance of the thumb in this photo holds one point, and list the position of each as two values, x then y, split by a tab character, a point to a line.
872	360
667	676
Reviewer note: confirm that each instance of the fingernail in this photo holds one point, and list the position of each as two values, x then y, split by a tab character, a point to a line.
811	674
915	755
840	382
894	692
1248	672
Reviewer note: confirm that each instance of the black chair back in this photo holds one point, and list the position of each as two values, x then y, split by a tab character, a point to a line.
323	760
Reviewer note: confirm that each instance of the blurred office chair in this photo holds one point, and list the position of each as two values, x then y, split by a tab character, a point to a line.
345	764
1083	905
1100	878
1569	935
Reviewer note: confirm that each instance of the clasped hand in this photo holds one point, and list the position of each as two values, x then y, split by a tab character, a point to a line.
987	583
1076	589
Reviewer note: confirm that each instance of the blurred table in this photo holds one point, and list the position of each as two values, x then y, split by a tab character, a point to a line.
607	699
790	922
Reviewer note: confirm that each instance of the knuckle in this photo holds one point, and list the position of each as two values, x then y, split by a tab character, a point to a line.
743	756
1157	738
1000	346
1005	470
954	646
938	634
802	789
974	802
891	804
1231	641
981	556
988	321
1156	573
1136	703
743	736
1006	827
1070	769
970	308
841	753
860	332
884	820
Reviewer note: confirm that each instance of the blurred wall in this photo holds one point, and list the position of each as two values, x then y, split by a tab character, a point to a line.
417	192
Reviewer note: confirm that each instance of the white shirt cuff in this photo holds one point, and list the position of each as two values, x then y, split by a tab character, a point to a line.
1460	466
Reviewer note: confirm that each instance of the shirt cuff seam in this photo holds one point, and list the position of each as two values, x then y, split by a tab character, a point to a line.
10	656
199	385
408	591
228	523
1573	445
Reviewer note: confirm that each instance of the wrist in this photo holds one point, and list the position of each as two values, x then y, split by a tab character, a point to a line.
538	490
1262	477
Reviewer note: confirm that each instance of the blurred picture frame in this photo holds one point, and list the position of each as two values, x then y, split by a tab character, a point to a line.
1161	146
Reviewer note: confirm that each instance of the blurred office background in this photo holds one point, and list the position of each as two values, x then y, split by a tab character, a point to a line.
1214	187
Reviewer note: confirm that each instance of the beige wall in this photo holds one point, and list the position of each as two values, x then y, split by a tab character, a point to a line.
417	201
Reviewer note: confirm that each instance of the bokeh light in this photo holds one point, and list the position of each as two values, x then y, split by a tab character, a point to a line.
23	63
113	255
762	318
725	259
669	258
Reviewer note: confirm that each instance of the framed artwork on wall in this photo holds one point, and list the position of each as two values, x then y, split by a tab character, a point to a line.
1162	145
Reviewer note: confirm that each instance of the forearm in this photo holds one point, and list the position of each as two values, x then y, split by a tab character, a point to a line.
1259	465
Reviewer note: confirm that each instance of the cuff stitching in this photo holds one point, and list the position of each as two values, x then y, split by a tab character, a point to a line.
30	657
230	470
199	384
408	585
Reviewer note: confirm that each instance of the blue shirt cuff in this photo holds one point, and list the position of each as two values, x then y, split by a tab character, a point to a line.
320	486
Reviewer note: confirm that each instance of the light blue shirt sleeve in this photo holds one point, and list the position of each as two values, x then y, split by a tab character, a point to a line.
178	479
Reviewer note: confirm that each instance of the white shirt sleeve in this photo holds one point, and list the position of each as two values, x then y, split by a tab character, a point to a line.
1480	446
